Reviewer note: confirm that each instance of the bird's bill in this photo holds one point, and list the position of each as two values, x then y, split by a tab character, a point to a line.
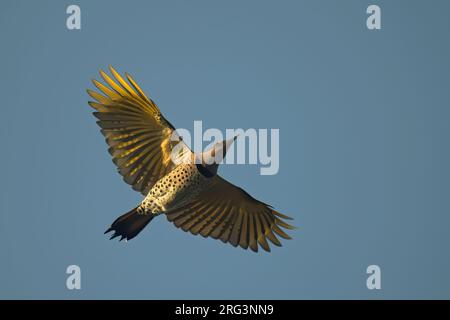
218	152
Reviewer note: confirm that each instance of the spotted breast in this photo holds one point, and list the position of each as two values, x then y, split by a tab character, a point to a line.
177	188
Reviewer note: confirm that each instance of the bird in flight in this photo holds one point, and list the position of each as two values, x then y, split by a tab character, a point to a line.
189	192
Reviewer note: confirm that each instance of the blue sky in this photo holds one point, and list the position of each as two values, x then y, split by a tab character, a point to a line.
363	119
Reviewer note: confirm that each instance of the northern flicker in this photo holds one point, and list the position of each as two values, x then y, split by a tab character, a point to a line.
190	193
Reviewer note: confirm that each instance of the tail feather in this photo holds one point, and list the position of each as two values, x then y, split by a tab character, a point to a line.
129	225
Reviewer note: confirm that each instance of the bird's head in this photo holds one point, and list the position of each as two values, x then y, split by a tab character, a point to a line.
215	155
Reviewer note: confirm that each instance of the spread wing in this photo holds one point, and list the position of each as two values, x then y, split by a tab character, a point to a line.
228	213
138	135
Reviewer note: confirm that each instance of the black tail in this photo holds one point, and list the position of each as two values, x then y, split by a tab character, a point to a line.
129	225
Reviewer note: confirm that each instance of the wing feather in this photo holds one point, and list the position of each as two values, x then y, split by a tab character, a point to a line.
228	213
138	135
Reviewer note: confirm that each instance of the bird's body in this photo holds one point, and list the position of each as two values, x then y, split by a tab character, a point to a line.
175	181
176	189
